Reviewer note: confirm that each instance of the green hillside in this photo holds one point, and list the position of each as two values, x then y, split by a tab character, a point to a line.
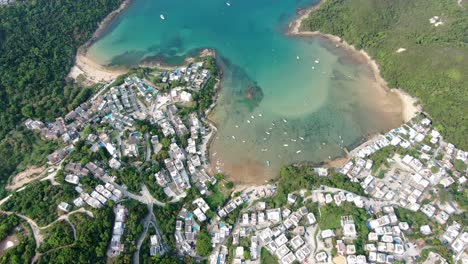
434	65
38	42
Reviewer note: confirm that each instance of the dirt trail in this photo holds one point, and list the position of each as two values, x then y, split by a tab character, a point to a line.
37	230
25	177
39	255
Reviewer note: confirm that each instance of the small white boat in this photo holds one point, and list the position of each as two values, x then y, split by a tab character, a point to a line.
268	133
248	121
233	137
264	138
228	4
252	116
162	16
299	151
273	124
297	57
237	126
260	115
285	145
268	163
313	68
263	150
293	140
317	61
284	120
243	141
301	138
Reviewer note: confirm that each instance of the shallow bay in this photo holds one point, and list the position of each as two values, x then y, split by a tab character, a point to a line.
316	99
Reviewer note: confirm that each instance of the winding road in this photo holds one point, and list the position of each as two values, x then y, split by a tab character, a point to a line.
150	219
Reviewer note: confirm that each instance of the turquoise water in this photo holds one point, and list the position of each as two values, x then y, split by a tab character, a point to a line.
316	98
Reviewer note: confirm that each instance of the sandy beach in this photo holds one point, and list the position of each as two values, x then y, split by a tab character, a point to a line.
85	66
93	71
409	104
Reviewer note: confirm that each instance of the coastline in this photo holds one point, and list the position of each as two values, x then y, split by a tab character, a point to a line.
87	67
94	72
409	107
103	26
295	25
409	104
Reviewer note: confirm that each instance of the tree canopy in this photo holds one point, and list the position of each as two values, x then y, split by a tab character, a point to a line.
38	43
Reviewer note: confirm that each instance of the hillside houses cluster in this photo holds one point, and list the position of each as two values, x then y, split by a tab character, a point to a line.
231	206
293	234
186	164
100	195
116	246
455	237
187	227
187	230
412	178
279	230
339	198
68	128
194	76
59	155
143	88
384	241
289	235
120	107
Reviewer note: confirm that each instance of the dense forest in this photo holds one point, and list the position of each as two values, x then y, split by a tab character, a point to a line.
25	250
40	201
433	67
38	42
93	236
58	236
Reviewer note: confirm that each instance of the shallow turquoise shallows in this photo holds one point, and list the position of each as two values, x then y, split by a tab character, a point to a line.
314	95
